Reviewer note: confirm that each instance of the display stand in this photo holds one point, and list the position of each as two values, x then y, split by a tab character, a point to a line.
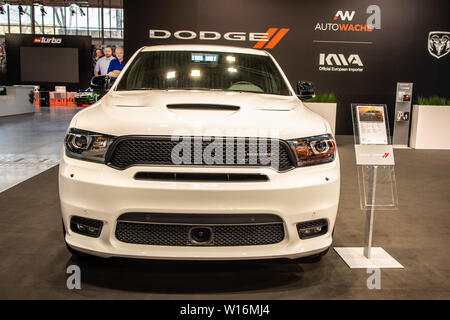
375	160
402	119
370	212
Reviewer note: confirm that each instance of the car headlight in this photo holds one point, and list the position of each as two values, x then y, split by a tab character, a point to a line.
86	145
314	150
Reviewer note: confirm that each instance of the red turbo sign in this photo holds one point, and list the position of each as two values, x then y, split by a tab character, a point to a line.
264	40
47	40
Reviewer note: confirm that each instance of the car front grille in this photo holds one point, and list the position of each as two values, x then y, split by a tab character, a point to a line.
225	230
157	150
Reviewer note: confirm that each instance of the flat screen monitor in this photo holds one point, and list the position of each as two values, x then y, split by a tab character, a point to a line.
41	64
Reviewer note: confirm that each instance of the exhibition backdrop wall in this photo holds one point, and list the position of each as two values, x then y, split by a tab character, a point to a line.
358	49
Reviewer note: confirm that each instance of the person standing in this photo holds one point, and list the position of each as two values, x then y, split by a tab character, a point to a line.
98	53
101	67
2	65
116	65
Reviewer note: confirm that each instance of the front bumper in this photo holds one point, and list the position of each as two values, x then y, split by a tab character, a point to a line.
96	191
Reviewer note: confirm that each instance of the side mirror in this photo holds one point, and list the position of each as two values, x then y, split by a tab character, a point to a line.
305	90
99	83
102	83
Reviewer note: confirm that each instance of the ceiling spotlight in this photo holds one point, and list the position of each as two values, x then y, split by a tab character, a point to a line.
82	12
21	10
42	10
195	73
73	9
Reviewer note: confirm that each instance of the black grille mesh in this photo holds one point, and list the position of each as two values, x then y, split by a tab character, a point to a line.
178	235
131	151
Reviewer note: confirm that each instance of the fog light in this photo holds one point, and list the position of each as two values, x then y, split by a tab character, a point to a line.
85	226
310	229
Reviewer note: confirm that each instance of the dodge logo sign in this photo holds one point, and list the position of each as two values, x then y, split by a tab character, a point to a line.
438	43
266	40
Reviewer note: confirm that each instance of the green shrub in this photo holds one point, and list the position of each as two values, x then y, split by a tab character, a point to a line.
433	101
323	97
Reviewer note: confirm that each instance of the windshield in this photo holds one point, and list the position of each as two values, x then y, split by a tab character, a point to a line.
196	70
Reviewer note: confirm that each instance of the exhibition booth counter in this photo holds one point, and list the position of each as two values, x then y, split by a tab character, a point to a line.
55	99
18	100
430	127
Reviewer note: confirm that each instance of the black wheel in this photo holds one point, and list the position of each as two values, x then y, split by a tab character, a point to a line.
74	252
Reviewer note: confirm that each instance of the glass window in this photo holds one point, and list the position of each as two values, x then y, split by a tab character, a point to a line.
82	22
4	16
38	21
14	19
192	70
3	29
25	19
4	20
107	22
48	20
64	20
94	22
71	21
60	20
116	23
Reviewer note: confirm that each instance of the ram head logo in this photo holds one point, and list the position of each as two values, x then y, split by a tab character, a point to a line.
438	43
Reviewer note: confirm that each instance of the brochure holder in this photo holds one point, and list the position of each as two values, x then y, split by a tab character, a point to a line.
402	118
376	179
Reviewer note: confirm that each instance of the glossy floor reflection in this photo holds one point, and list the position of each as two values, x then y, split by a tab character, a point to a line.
34	259
31	143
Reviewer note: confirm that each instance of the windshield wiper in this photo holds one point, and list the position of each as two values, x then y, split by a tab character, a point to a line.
194	88
131	89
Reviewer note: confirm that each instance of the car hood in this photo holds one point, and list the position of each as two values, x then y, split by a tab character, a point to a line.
146	113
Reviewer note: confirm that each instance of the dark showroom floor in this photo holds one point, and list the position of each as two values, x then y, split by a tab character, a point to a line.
34	259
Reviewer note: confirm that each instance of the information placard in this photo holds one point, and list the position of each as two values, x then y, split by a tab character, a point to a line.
374	156
371	124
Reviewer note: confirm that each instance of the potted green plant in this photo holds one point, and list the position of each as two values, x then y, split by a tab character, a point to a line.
430	123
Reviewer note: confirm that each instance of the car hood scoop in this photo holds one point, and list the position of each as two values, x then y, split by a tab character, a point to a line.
202	106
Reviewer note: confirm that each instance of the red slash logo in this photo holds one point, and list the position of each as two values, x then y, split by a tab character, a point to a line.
385	155
274	38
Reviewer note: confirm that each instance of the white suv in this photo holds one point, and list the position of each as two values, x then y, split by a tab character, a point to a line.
199	152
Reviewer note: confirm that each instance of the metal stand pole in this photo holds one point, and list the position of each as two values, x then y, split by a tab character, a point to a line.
370	210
